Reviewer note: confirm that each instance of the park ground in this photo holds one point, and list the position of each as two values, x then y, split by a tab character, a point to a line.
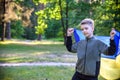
36	60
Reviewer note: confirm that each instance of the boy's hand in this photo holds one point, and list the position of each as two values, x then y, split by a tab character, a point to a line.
112	34
70	31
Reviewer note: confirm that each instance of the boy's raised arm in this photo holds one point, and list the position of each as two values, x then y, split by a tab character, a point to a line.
112	34
69	39
69	43
112	48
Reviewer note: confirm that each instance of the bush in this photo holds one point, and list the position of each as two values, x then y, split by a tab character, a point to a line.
53	29
30	33
17	29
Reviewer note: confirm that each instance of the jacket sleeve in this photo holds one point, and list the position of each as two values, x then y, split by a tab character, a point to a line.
71	47
112	48
108	50
69	43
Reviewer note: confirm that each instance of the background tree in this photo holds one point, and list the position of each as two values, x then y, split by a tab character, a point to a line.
107	16
19	10
29	19
40	28
17	29
69	12
53	17
47	15
2	23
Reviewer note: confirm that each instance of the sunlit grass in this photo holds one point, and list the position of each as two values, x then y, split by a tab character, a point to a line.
29	42
37	73
34	51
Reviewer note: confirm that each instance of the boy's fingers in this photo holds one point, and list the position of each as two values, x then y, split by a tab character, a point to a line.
70	29
113	32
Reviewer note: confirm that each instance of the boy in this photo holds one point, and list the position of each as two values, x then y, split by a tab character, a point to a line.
88	51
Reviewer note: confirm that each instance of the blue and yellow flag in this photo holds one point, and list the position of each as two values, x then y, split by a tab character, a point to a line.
78	36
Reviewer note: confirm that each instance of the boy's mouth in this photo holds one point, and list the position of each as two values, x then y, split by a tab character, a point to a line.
85	34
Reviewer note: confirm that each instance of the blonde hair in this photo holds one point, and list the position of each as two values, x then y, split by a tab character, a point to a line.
87	21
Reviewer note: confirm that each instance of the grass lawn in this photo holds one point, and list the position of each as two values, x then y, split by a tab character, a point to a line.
37	73
34	51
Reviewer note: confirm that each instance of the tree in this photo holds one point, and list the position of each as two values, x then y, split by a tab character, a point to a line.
48	12
107	16
71	13
2	12
40	28
18	10
17	29
54	29
9	14
64	25
55	10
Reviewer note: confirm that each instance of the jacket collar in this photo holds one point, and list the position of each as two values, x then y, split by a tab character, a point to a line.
90	38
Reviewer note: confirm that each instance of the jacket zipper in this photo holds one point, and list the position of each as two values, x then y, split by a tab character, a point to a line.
85	55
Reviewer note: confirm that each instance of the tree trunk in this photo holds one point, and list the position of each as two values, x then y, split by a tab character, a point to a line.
8	30
39	37
65	31
3	23
62	21
3	31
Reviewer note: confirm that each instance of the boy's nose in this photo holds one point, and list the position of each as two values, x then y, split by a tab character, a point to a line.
84	30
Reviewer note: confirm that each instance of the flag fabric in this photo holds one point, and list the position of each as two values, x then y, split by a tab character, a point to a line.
117	43
79	36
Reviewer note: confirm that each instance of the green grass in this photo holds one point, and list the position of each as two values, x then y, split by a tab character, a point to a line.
37	73
34	51
27	48
57	39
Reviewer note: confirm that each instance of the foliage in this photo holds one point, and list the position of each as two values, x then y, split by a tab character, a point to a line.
41	27
107	17
17	29
45	17
50	11
19	10
53	29
79	11
29	33
29	18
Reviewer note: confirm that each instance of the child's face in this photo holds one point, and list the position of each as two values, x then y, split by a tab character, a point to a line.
87	30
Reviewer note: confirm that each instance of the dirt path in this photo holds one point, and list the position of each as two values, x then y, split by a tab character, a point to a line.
37	64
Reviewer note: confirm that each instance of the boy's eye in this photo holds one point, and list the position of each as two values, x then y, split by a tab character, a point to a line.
82	29
86	28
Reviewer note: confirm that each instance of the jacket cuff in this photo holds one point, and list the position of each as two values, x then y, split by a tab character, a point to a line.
69	36
112	42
